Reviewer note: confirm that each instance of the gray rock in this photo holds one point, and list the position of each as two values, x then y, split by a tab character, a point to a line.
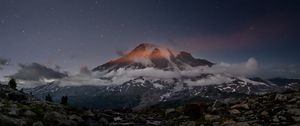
280	97
89	113
241	124
117	119
39	123
8	121
154	123
75	118
234	112
296	118
294	111
264	113
238	106
210	117
275	119
67	123
169	111
103	122
188	123
228	122
29	113
54	117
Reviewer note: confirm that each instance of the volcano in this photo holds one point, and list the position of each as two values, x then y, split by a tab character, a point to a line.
150	55
151	74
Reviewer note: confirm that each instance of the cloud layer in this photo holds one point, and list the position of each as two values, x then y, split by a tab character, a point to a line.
3	62
221	73
36	72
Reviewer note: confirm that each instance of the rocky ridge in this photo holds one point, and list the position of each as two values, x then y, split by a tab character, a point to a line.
21	109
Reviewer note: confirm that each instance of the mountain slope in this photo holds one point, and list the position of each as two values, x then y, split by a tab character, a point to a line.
148	55
151	74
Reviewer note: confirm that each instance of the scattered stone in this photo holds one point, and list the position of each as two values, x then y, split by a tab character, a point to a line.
296	118
54	117
75	118
117	119
209	117
234	112
29	113
188	123
103	122
264	113
39	123
280	97
238	106
294	111
8	121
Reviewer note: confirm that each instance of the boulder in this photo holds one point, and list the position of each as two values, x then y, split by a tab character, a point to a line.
239	106
234	111
9	121
39	123
281	98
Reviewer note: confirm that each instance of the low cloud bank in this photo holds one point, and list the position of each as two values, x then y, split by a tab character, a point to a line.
3	62
36	72
248	68
221	71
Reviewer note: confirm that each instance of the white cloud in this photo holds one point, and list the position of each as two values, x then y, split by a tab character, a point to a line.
222	73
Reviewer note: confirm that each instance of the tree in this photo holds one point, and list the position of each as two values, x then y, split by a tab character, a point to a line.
64	100
48	98
12	83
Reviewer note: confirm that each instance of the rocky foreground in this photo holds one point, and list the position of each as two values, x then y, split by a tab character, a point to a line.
21	109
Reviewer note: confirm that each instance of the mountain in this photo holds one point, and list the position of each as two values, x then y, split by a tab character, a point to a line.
151	74
149	55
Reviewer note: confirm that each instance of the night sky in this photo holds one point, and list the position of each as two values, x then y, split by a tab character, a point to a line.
76	33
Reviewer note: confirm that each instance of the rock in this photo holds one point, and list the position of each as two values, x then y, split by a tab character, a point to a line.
103	122
89	113
188	123
280	97
264	113
249	112
275	119
67	123
8	121
238	106
167	111
294	100
228	122
39	123
172	113
282	118
75	118
106	116
234	112
296	118
29	113
209	117
154	123
241	124
53	117
13	111
294	111
117	119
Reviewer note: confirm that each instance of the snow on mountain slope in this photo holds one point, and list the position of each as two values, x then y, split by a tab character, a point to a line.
150	74
148	55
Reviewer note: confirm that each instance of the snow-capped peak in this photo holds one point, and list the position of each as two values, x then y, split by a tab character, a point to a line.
150	55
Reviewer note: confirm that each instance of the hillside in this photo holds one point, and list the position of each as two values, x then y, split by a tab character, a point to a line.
21	109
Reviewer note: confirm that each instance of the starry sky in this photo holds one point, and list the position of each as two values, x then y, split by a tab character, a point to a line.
69	34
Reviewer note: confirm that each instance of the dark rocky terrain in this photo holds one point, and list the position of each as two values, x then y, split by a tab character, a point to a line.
21	109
